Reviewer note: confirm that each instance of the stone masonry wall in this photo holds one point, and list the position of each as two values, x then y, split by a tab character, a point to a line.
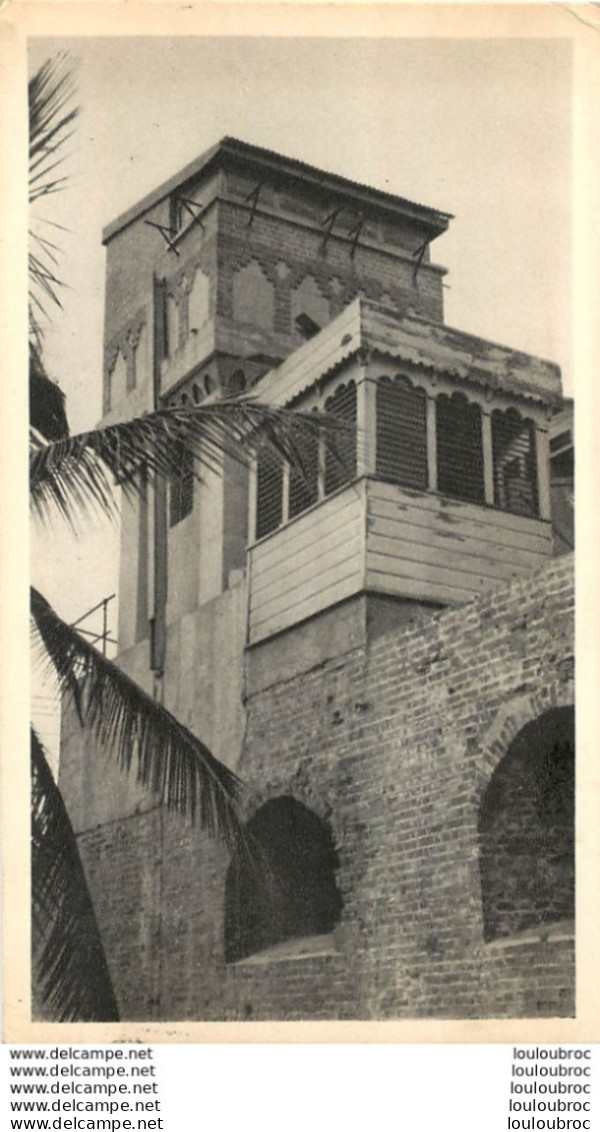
393	744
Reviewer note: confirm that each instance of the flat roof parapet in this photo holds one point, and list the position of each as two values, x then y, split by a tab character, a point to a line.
265	162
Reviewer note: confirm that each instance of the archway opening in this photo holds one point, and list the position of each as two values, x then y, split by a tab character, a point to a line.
526	829
283	887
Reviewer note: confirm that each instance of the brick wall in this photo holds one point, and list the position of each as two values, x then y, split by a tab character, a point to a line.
287	252
393	744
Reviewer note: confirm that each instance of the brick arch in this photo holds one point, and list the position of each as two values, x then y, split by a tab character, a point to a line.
300	791
509	720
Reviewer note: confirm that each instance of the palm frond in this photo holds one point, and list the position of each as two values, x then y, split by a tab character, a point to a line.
51	118
138	731
77	470
70	977
51	113
47	411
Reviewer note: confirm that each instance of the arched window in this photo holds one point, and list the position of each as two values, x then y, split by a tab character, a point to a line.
340	453
526	829
253	297
401	433
282	885
459	448
514	455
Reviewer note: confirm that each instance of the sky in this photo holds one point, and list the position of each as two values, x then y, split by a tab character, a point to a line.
477	128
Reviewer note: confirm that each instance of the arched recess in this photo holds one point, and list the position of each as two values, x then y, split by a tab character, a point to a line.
172	315
526	829
282	885
198	302
141	363
307	299
118	379
253	297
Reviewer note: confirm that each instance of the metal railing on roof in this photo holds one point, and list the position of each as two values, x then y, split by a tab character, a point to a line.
103	635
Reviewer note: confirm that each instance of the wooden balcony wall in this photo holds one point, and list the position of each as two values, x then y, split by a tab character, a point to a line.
381	538
431	547
307	566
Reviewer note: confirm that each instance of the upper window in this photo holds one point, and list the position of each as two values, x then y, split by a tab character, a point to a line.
340	452
304	481
459	448
514	455
181	493
269	494
401	433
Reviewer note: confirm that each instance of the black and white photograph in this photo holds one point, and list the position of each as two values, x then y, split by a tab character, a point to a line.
302	389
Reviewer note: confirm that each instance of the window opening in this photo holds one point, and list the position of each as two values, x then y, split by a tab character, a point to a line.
304	482
514	456
282	885
181	496
459	448
269	494
401	433
340	451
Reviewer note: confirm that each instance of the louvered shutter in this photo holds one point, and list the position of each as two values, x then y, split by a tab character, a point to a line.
515	466
304	484
459	448
401	433
340	454
182	489
269	494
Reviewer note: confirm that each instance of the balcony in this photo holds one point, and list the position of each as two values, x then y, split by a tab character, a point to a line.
381	538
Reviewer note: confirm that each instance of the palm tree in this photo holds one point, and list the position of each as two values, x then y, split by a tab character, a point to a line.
69	474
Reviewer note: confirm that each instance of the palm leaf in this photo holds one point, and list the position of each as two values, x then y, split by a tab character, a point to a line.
46	400
74	471
70	977
138	731
51	118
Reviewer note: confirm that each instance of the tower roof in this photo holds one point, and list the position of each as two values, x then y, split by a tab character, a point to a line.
266	164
